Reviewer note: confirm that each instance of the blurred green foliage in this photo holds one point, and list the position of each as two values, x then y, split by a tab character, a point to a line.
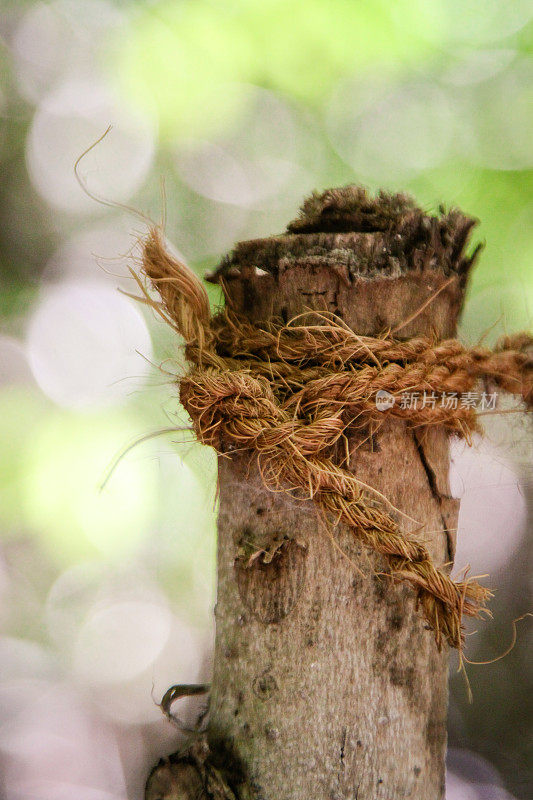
253	104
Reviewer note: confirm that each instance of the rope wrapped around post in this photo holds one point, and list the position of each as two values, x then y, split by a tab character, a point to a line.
294	392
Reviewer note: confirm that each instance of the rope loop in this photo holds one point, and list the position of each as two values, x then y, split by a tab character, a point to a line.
291	391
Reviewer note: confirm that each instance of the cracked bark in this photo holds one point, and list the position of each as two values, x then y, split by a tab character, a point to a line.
327	683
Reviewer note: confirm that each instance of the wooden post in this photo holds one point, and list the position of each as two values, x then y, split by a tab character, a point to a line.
327	682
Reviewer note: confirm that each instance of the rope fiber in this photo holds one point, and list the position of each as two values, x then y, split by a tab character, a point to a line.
290	392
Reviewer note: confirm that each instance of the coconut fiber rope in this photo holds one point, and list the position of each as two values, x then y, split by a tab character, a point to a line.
293	392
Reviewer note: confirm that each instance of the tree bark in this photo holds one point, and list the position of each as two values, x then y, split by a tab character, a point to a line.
327	681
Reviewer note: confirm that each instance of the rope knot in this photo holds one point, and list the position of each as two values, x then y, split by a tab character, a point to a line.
290	391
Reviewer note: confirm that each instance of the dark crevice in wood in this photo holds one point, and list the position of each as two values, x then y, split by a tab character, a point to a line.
427	468
432	481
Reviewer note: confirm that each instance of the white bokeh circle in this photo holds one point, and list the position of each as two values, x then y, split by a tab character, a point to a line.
84	345
69	120
389	132
493	511
120	640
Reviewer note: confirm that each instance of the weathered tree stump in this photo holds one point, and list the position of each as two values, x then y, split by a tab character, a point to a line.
327	682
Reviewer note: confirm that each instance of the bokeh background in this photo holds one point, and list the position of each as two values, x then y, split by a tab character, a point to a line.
243	107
